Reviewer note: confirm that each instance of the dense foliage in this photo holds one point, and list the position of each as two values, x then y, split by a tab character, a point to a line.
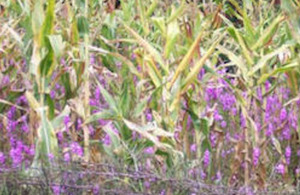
200	90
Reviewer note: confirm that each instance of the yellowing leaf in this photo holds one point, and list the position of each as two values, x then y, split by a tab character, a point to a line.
148	47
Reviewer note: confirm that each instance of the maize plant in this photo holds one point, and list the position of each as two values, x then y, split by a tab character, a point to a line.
180	94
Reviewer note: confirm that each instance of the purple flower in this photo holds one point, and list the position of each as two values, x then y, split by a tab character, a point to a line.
163	192
96	189
211	94
256	154
149	150
119	65
97	94
283	114
56	190
270	129
223	124
135	79
288	153
243	121
133	56
227	100
206	158
16	156
60	136
5	80
22	99
93	102
147	184
193	147
106	140
298	152
25	127
11	113
213	139
148	115
286	133
62	90
50	156
293	121
92	59
67	157
63	62
66	120
11	126
202	174
217	116
13	142
102	122
91	130
233	111
52	94
177	135
76	149
280	169
267	85
2	158
79	123
201	74
192	172
57	86
218	176
134	135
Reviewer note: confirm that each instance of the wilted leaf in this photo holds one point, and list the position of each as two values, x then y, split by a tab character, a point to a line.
57	44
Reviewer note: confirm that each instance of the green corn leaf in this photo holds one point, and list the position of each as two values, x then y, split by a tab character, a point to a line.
58	120
115	140
32	100
48	24
244	47
187	58
148	47
57	45
282	69
237	60
104	114
264	59
47	136
130	65
51	106
46	65
82	26
206	145
153	72
268	33
179	11
159	22
109	99
249	30
37	16
149	136
125	99
194	72
140	107
152	8
172	34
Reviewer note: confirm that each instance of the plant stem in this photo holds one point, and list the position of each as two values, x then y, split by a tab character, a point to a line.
86	87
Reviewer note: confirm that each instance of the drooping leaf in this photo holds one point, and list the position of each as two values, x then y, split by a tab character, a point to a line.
148	47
